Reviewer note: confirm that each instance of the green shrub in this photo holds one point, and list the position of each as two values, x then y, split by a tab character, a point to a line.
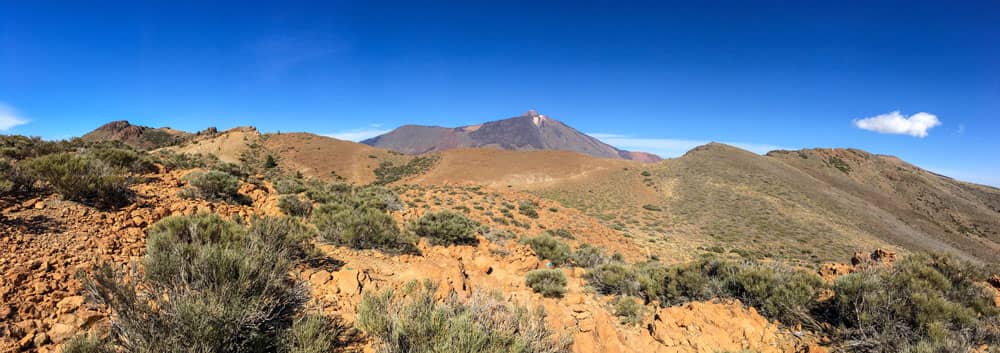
81	178
649	207
413	322
589	256
88	343
550	283
562	233
313	334
178	161
628	310
12	179
292	205
18	147
209	286
216	186
528	208
779	292
125	159
549	248
328	192
614	278
388	172
360	228
378	197
446	228
289	186
921	304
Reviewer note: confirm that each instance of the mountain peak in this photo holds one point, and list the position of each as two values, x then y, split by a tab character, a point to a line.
138	136
530	131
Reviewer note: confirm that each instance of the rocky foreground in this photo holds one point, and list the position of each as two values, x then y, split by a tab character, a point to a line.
46	241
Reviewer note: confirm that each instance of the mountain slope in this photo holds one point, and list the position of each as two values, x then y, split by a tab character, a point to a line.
721	198
137	136
531	131
810	205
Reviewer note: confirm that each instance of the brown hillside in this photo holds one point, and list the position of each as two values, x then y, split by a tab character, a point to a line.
522	170
140	137
228	145
720	198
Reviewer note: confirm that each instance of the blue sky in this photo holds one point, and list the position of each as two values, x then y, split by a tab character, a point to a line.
659	76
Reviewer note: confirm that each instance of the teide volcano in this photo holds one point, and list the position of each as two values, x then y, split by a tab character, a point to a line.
530	131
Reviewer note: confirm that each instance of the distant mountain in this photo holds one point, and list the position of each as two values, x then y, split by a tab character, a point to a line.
137	136
531	131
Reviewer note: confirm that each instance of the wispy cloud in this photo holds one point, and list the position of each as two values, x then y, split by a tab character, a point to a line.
895	123
668	148
358	134
9	117
276	55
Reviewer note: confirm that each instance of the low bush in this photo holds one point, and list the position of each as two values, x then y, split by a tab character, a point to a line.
289	186
124	158
81	178
649	207
216	186
549	248
562	233
614	278
628	310
314	334
413	322
88	343
446	228
388	172
589	256
19	147
360	228
921	304
12	179
549	283
293	205
528	208
178	161
328	192
208	285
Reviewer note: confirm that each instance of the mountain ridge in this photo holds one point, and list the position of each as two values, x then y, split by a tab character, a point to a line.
529	131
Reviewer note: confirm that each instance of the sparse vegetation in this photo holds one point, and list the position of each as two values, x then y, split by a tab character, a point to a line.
81	178
388	172
413	322
528	208
203	272
588	256
921	304
561	233
446	228
628	310
288	185
549	248
549	283
215	185
293	205
838	163
360	227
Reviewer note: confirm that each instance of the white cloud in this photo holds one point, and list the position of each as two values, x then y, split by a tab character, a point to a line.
9	118
895	123
669	148
358	134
